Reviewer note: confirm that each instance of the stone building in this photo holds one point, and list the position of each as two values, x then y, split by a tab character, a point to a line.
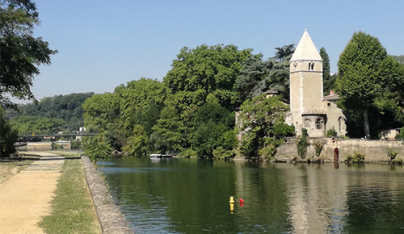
308	107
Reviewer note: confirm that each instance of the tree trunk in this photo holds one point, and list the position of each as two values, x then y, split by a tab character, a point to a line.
366	123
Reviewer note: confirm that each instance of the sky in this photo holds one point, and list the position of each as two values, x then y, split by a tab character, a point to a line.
103	44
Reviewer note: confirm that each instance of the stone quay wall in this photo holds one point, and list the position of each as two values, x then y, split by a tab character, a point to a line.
374	150
111	219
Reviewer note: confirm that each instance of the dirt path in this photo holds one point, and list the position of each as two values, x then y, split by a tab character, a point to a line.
26	196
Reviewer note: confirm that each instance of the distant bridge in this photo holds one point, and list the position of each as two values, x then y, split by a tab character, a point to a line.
60	135
24	138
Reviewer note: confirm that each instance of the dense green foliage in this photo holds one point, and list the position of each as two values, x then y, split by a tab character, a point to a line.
331	132
21	52
370	82
191	112
8	136
400	58
302	144
50	115
355	158
257	75
326	64
191	108
328	79
263	121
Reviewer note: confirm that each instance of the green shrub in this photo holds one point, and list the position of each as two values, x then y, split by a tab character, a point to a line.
187	153
75	144
318	146
397	161
392	154
401	135
356	158
332	132
268	151
221	153
96	148
302	144
282	130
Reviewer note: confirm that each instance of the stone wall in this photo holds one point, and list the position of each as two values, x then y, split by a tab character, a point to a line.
374	150
110	217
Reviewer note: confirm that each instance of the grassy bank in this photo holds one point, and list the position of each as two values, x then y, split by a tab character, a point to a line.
72	207
66	154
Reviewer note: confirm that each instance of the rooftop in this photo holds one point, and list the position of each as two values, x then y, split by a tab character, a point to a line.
306	50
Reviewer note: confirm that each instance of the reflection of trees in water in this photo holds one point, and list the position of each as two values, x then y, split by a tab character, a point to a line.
374	210
193	196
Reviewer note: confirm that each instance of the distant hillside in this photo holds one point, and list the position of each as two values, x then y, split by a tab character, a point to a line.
61	112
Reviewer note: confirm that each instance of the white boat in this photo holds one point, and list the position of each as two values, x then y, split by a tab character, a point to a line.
155	155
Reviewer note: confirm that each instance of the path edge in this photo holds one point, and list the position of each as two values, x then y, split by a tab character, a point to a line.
109	216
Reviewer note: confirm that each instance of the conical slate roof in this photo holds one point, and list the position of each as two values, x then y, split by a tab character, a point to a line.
306	50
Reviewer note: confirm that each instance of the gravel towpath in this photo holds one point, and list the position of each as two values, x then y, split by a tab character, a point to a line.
26	196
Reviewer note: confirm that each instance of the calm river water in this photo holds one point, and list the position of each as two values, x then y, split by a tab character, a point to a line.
192	196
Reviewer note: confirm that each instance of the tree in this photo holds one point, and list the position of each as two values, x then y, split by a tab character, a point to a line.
213	129
399	58
364	72
96	147
207	72
260	116
329	84
21	52
8	136
284	53
326	64
257	75
137	144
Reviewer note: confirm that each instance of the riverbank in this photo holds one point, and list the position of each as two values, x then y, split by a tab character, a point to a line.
25	197
50	191
72	207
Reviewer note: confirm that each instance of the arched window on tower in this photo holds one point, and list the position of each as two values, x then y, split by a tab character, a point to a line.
311	66
319	123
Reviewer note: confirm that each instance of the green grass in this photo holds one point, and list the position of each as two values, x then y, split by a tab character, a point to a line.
66	154
72	207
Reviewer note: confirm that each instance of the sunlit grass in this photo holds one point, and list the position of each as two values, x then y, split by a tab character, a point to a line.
66	154
72	207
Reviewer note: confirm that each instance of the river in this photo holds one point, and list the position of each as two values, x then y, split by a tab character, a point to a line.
192	196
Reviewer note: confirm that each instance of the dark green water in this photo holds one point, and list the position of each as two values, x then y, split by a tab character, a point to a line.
192	196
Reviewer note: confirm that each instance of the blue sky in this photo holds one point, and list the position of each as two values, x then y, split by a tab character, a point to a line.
103	44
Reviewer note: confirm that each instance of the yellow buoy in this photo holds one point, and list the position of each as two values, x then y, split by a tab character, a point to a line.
231	200
231	208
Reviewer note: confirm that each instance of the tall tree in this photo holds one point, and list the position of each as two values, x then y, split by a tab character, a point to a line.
257	75
21	52
260	117
207	73
284	53
326	64
363	73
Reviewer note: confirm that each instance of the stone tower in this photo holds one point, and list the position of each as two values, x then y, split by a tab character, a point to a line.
306	89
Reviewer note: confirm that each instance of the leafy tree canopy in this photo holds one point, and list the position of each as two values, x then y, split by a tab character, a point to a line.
207	71
21	52
365	73
261	117
257	75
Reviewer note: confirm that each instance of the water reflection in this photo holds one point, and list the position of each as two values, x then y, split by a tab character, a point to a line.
192	196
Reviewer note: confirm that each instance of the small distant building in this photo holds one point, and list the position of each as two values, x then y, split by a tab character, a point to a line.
308	107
